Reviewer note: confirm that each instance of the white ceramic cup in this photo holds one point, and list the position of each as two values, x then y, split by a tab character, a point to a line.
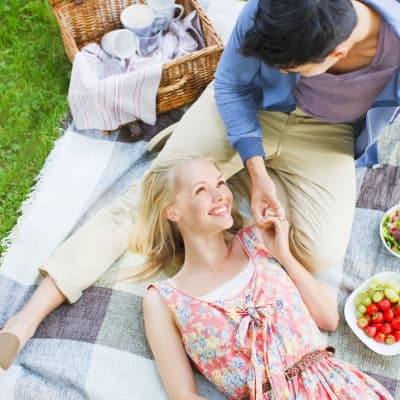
168	9
119	43
142	20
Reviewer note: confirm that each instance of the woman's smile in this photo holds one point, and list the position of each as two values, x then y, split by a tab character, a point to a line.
220	211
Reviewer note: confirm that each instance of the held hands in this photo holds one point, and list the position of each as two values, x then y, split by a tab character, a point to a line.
264	201
276	235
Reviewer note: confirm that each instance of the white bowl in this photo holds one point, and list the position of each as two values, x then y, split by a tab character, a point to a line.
397	207
351	316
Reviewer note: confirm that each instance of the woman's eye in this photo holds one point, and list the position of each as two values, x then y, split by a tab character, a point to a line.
200	189
221	183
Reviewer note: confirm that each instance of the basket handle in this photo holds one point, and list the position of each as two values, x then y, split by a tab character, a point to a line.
177	85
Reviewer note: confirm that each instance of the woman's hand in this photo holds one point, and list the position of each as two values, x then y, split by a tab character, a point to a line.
275	234
318	297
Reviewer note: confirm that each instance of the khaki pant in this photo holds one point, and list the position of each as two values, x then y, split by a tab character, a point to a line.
311	163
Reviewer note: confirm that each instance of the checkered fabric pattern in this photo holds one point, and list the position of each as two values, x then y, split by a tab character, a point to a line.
96	348
378	190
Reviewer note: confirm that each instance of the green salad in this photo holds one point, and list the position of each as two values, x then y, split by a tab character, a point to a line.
391	230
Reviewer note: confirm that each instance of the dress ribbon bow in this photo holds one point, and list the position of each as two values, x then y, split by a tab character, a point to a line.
252	317
255	321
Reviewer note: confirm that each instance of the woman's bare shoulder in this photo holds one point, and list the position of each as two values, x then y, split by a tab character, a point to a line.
152	302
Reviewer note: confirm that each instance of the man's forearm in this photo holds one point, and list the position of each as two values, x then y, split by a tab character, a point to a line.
256	167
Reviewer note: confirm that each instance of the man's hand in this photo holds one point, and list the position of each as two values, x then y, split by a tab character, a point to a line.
263	196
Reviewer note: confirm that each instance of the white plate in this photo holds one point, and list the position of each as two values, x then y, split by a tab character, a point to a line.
396	207
351	316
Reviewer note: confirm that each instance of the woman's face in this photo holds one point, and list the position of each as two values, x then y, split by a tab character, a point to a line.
203	202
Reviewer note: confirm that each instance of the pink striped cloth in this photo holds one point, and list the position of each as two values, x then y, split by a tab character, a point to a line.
104	93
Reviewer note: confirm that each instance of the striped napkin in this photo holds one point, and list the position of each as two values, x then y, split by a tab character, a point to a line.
105	92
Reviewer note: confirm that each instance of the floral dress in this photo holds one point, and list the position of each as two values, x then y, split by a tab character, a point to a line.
252	338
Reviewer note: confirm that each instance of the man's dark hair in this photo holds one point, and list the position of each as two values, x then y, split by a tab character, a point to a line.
289	33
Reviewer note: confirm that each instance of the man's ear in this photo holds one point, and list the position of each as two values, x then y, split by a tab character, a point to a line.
171	214
339	52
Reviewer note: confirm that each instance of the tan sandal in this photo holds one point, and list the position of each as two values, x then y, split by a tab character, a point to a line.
9	346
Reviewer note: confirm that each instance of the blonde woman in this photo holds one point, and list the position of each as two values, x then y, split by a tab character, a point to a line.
244	321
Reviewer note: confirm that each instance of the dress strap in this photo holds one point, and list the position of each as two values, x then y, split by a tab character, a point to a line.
253	245
167	291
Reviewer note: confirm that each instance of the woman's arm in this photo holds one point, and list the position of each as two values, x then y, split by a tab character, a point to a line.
318	297
166	344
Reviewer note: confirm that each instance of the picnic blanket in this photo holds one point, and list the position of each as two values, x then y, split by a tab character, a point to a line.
96	348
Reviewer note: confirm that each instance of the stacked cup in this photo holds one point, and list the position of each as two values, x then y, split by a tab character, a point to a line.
148	23
119	43
167	8
147	26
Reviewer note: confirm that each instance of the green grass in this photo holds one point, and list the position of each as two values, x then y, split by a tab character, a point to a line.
34	77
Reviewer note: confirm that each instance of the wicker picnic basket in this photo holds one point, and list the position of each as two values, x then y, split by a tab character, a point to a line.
182	79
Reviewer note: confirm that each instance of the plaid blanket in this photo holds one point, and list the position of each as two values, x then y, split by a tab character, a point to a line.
96	348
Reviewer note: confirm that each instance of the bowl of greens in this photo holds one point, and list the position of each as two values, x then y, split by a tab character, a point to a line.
390	230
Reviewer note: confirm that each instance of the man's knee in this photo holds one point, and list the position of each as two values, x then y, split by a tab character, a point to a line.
319	250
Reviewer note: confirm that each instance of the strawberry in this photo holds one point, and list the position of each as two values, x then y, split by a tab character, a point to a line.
384	305
376	324
378	310
395	324
372	309
377	318
388	315
385	328
379	337
396	335
390	339
370	330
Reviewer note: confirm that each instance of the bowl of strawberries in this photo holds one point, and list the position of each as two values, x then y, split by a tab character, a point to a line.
373	313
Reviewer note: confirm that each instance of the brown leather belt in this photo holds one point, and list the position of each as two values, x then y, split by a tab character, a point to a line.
297	368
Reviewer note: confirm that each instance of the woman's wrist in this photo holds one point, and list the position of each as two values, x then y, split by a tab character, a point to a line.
287	259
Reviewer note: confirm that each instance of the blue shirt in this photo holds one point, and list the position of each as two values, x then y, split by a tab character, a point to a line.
244	84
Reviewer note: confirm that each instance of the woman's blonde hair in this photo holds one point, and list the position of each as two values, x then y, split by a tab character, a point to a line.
154	235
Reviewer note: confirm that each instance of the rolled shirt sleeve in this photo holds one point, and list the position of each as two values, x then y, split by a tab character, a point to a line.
235	91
